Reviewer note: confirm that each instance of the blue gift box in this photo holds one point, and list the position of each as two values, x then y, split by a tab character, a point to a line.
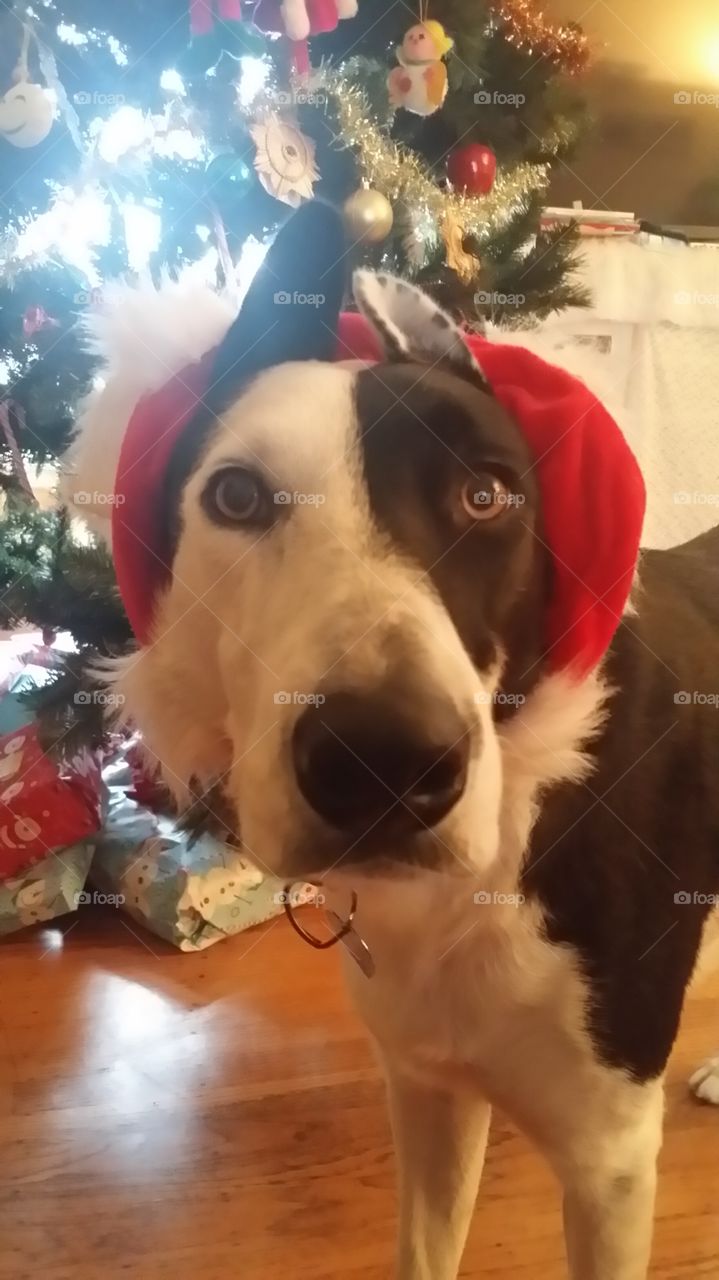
46	889
190	892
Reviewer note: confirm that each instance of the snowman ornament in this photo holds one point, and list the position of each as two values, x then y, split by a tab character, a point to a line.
420	83
27	110
26	114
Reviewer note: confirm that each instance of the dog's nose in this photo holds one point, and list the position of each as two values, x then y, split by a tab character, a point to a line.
359	762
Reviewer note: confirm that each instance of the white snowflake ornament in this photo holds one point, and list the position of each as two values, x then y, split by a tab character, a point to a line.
285	160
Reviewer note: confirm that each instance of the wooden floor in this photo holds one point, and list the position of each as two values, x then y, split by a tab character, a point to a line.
219	1117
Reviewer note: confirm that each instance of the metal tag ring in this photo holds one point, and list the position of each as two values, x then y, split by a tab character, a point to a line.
318	943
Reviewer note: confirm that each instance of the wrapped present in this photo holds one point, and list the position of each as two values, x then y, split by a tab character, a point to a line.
48	889
190	891
15	710
13	649
26	663
48	812
19	648
44	806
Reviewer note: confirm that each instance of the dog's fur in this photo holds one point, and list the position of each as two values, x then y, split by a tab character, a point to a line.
530	948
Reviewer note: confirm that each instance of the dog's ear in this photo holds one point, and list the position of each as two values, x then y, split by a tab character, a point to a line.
411	326
292	307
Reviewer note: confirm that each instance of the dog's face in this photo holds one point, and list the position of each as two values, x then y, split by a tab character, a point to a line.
356	602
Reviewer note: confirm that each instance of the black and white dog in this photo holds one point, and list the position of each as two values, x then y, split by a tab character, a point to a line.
340	576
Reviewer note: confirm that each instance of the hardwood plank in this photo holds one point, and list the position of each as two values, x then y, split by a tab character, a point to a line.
197	1117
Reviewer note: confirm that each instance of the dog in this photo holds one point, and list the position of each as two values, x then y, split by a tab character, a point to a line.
389	604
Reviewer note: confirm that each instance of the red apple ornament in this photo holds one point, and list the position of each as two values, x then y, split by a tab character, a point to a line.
472	169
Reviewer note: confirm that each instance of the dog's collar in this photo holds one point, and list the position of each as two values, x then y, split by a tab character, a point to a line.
591	488
341	931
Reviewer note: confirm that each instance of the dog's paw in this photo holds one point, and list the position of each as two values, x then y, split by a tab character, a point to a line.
704	1084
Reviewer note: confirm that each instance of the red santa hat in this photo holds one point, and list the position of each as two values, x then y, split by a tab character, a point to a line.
591	488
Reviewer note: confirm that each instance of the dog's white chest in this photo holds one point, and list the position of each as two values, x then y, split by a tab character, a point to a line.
474	988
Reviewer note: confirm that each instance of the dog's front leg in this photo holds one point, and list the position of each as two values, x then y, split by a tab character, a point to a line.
440	1140
608	1226
609	1195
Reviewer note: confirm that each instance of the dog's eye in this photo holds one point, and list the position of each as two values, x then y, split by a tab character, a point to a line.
237	496
485	497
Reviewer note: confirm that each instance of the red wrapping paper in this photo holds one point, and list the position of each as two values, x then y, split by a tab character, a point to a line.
43	806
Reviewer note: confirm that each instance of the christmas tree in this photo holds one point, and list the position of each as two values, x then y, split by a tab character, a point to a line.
159	135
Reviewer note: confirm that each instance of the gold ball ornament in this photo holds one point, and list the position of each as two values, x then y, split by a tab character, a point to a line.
26	114
368	216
